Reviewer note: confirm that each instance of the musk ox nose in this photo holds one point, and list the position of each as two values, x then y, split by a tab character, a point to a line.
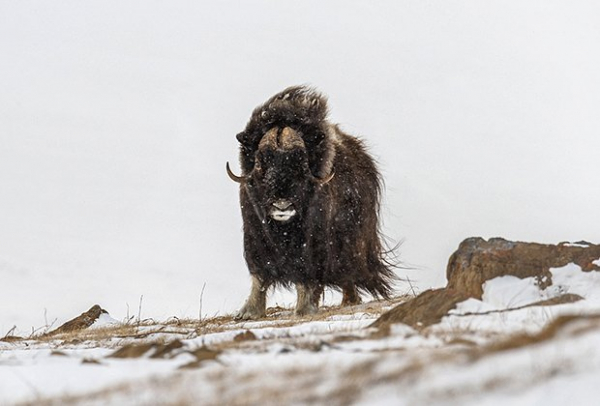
282	210
282	204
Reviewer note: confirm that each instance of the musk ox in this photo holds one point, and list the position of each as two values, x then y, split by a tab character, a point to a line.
309	195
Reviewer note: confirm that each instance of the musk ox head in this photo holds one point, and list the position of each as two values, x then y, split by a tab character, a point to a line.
285	153
281	182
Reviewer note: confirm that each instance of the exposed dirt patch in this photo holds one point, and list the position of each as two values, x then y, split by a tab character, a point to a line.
477	261
152	350
563	325
426	309
202	354
245	336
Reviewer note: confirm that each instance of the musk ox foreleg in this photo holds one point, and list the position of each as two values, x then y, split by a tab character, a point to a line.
308	299
256	304
350	296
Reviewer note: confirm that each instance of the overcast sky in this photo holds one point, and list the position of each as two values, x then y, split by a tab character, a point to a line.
116	119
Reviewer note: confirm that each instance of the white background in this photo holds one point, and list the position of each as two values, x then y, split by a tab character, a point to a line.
116	119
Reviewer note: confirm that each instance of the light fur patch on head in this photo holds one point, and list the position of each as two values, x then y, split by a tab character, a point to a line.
290	139
269	139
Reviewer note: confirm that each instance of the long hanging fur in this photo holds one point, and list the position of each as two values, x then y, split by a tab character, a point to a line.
335	240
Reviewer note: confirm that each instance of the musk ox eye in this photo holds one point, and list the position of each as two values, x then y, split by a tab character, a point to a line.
250	183
297	155
265	157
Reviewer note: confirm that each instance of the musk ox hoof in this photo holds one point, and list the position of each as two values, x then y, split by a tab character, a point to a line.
306	310
351	301
250	313
350	296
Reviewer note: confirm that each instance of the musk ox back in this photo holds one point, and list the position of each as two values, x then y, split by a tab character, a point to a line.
309	196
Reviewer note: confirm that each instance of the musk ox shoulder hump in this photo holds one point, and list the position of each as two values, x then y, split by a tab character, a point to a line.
300	107
296	102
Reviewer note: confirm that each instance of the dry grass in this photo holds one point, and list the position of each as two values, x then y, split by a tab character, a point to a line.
157	333
91	335
305	383
344	384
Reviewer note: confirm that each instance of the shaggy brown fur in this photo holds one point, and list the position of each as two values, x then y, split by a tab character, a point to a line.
310	197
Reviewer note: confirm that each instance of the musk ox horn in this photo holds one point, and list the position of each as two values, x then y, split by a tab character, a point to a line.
290	139
285	139
326	179
269	140
233	177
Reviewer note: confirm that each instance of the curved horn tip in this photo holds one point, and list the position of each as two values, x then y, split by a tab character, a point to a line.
232	176
327	179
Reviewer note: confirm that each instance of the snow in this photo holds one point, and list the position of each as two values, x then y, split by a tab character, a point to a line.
571	279
522	375
577	244
506	292
31	374
516	294
105	320
452	362
509	291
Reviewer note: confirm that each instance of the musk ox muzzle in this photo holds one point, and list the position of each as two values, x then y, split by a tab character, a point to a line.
283	210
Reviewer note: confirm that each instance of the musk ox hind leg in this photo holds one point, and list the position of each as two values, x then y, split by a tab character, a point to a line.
308	299
256	304
350	296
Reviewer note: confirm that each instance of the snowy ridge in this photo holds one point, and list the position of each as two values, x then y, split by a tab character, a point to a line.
503	348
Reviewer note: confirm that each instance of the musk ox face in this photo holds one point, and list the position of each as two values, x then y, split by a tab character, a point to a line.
281	176
280	182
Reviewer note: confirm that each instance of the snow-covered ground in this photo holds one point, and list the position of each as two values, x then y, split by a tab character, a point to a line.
492	351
